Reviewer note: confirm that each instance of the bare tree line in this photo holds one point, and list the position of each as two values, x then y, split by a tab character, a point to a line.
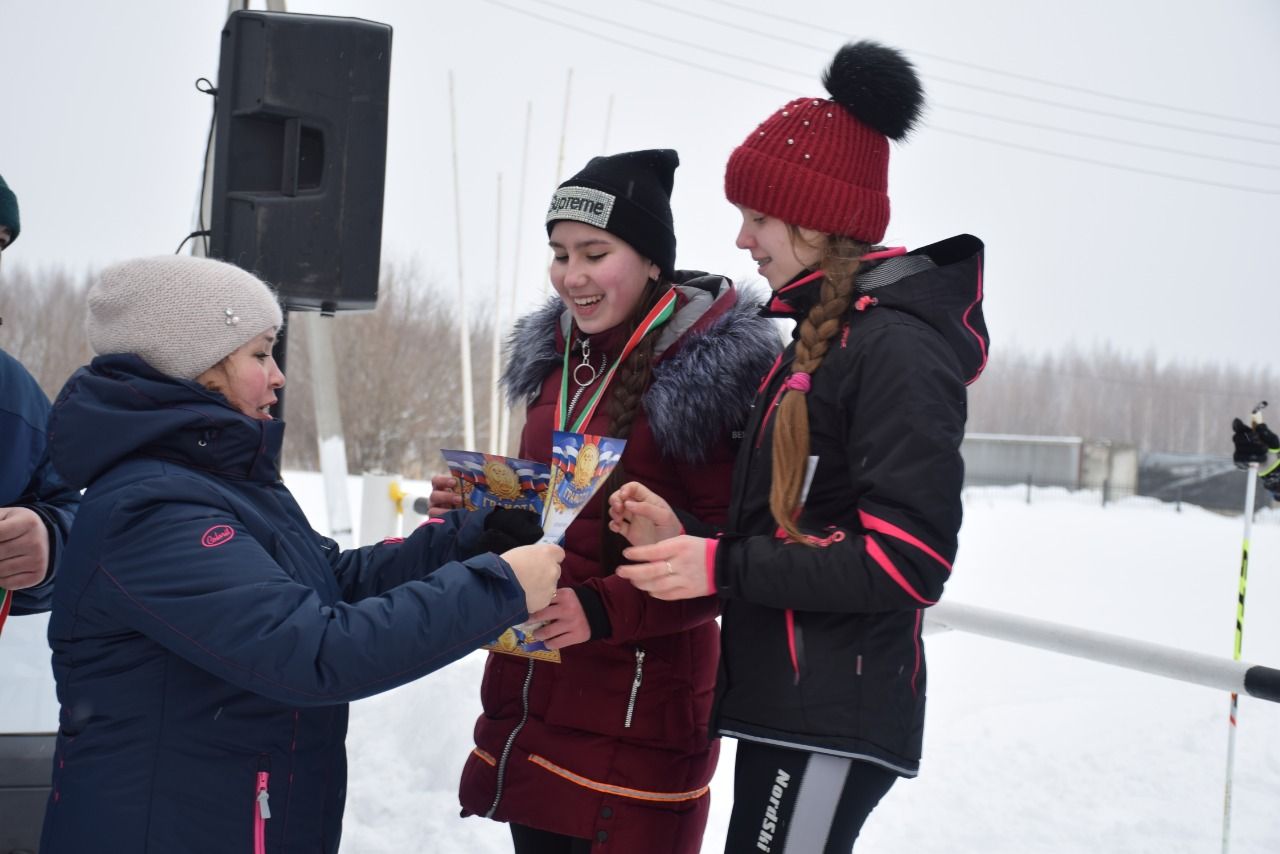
399	380
1105	393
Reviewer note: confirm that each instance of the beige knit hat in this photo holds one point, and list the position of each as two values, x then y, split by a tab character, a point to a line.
182	315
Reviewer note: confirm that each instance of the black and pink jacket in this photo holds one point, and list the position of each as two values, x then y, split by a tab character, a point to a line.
821	646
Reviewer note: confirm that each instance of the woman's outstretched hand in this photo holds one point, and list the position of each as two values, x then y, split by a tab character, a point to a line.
641	515
674	568
444	495
537	568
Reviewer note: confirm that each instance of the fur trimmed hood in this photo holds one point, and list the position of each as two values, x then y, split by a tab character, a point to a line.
709	359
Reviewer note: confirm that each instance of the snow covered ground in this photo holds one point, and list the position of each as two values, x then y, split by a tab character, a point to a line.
1025	751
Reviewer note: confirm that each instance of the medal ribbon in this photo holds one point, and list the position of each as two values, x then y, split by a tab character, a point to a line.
663	311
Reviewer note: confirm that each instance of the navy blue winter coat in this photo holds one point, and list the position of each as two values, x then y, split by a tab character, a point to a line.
206	640
26	477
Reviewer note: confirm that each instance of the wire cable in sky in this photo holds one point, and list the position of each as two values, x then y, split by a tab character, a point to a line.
649	52
934	104
1004	93
1103	137
1173	176
976	66
646	51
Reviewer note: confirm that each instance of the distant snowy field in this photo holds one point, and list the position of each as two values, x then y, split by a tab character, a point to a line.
1025	751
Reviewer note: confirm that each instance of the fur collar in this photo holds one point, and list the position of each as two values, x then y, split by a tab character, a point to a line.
703	381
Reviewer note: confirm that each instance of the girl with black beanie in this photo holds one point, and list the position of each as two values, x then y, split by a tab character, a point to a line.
608	748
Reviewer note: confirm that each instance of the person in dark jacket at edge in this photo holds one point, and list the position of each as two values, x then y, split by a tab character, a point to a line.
1257	444
608	750
847	490
206	641
36	507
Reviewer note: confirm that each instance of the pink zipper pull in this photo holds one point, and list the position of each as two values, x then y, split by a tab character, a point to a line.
264	807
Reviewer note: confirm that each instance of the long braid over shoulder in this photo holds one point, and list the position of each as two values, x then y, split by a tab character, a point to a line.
841	257
628	387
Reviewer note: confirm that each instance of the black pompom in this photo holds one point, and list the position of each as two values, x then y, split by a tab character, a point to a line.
878	85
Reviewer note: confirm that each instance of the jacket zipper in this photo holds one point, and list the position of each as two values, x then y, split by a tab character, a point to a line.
261	811
511	740
768	413
635	687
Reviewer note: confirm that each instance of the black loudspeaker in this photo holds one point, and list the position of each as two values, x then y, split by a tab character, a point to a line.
300	160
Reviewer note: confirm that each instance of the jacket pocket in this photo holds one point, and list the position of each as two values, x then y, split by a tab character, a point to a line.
261	806
627	697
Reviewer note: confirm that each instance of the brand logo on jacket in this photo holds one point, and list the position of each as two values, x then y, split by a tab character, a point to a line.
217	535
583	204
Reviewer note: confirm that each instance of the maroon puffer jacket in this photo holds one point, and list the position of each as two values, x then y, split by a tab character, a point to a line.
612	743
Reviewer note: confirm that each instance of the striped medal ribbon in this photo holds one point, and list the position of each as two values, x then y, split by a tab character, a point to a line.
658	315
6	600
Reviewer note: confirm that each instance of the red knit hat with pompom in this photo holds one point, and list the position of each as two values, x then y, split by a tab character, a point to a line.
824	164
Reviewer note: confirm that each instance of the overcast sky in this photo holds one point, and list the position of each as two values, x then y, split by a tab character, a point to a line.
1089	239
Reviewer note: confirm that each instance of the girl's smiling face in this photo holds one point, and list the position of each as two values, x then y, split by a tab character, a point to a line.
778	256
598	276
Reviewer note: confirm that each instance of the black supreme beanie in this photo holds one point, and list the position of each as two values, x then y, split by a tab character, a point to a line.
627	195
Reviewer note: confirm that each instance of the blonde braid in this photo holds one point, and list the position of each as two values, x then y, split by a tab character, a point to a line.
841	257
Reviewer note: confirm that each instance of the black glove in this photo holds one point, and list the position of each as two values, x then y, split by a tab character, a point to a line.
1252	443
506	529
1271	480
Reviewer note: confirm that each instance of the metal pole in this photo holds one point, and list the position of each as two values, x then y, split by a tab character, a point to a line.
1250	492
564	132
496	315
504	442
464	320
608	122
1182	665
333	447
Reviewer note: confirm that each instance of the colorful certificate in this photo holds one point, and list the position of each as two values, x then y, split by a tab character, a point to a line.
579	466
488	480
580	463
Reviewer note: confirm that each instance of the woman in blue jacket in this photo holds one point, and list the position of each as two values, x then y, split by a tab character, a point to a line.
205	639
36	508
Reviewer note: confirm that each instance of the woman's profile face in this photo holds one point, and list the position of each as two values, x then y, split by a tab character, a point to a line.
778	257
248	378
598	276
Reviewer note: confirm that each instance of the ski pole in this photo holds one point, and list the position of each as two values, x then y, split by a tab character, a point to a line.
1250	491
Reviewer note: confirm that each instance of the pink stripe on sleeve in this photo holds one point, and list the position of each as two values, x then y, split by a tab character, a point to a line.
872	523
711	564
878	555
982	345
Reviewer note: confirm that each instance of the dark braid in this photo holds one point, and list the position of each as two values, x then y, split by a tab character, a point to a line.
627	389
840	261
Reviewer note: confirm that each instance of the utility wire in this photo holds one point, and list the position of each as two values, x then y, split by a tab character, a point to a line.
1173	176
976	66
646	51
1039	126
1115	139
1004	93
978	137
1110	115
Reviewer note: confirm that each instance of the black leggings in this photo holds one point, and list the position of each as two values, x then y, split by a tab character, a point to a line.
530	840
794	801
